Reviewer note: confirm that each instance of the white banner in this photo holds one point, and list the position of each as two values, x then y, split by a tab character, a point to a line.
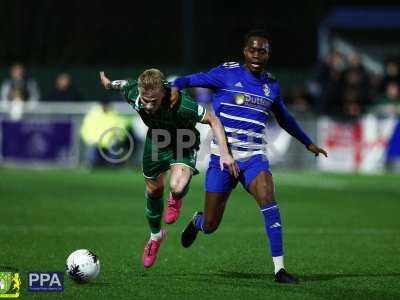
359	146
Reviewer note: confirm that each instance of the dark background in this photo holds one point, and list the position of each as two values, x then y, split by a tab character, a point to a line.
196	34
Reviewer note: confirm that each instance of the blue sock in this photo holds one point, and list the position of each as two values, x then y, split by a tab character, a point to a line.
273	227
198	223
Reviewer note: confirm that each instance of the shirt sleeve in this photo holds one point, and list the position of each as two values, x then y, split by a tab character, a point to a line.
286	120
193	112
131	93
212	79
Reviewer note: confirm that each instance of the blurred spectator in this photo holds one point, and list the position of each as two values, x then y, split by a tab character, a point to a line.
97	133
27	88
351	108
63	89
392	73
357	78
389	103
375	86
345	87
355	87
327	86
300	100
392	94
392	70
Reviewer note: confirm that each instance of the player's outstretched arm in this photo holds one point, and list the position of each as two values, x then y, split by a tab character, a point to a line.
225	158
212	79
288	123
115	85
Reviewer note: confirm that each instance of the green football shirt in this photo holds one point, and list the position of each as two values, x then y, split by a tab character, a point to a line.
184	115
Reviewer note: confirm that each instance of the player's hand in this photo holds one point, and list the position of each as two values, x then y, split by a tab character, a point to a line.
105	81
230	163
174	96
316	150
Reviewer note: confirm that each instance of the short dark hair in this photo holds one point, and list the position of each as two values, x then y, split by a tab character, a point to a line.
257	33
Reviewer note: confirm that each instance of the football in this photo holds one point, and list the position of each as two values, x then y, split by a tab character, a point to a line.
83	265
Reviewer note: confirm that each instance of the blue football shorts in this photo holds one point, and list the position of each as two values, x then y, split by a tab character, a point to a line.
223	181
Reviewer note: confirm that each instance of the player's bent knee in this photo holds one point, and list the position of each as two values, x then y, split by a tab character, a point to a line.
155	192
175	187
178	190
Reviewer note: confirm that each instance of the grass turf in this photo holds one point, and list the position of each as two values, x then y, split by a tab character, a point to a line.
342	237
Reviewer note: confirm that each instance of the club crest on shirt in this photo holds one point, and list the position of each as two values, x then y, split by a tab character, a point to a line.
266	90
239	99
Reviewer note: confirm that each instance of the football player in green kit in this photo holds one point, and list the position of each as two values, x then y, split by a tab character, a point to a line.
172	142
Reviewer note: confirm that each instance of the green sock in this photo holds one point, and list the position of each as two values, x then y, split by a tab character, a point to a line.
153	212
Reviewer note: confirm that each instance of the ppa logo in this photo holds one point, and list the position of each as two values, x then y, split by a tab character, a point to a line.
46	281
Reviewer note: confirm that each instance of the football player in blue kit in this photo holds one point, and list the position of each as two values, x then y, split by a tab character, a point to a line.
243	96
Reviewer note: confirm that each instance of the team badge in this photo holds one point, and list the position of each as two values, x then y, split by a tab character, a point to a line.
239	99
266	90
10	285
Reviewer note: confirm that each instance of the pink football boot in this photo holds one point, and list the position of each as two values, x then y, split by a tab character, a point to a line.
173	210
151	250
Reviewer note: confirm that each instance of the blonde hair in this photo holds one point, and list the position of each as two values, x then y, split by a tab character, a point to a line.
151	79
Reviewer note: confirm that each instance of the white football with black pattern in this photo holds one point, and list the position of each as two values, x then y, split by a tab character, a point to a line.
83	265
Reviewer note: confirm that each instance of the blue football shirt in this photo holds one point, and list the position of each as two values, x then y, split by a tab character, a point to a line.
243	103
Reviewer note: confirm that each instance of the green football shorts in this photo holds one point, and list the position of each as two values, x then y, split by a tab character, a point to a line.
157	161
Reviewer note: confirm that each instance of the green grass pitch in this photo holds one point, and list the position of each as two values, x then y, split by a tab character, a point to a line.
341	233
